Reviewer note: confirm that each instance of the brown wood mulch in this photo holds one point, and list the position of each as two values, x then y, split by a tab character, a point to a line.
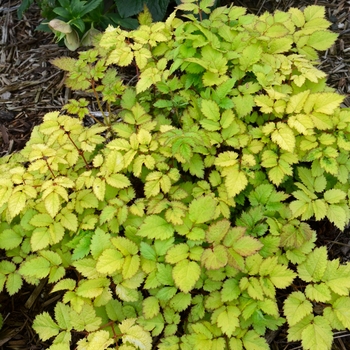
30	86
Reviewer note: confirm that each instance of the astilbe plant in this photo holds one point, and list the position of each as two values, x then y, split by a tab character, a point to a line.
174	222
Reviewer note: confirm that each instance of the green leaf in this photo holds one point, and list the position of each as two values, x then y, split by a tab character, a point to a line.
62	316
155	227
186	274
246	246
341	308
202	209
217	231
64	284
296	307
322	40
284	137
180	301
318	335
99	340
318	292
68	220
230	290
210	109
16	203
228	320
38	267
235	181
150	307
135	334
315	265
177	253
86	319
130	266
45	326
118	181
282	277
215	258
13	283
253	341
10	239
91	288
110	261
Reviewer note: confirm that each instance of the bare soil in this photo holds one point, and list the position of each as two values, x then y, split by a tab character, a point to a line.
30	87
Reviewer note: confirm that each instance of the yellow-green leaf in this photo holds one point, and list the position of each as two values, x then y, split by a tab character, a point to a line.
284	137
185	274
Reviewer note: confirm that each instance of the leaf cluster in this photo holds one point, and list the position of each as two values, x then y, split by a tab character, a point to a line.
185	211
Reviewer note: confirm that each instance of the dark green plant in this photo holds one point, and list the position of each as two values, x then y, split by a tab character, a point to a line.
174	223
76	22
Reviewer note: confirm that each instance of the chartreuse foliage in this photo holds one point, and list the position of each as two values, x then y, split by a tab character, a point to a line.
183	213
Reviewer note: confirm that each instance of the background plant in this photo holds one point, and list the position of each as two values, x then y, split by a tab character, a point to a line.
176	226
76	22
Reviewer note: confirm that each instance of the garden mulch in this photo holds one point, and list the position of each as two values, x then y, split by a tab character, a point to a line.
30	87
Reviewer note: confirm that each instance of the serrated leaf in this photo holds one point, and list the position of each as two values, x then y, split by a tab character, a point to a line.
341	309
130	266
10	239
69	220
98	340
322	39
337	215
296	307
177	253
62	315
91	288
64	63
230	290
215	258
52	203
13	283
86	319
318	292
65	284
16	203
118	181
202	209
284	137
38	267
246	246
228	320
45	326
226	159
296	102
252	340
110	261
185	274
315	265
210	109
318	335
40	238
334	196
155	227
217	231
235	181
281	276
135	334
150	307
